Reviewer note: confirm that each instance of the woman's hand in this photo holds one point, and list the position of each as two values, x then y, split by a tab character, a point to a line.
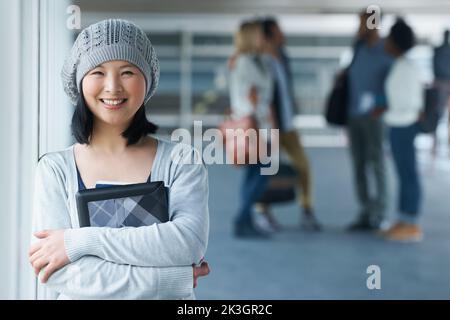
377	112
232	61
253	97
200	271
48	253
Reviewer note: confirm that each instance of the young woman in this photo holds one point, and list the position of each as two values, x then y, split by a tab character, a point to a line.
251	86
405	98
111	72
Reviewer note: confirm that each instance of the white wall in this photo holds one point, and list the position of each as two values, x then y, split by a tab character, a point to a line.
34	119
9	90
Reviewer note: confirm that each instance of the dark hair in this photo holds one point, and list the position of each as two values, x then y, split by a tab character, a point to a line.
267	26
402	35
83	124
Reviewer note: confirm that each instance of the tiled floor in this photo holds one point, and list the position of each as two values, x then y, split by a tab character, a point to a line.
332	264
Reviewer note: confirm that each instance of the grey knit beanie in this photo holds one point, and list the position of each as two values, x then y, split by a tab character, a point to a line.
107	40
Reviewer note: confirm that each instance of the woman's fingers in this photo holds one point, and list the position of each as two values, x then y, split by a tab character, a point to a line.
48	272
50	268
200	271
39	264
42	234
204	269
34	257
35	247
36	271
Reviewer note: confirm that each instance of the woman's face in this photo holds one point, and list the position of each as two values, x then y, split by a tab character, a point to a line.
114	91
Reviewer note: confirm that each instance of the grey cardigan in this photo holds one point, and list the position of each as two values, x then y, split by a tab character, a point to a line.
151	262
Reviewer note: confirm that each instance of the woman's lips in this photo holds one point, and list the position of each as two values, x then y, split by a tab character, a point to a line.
113	104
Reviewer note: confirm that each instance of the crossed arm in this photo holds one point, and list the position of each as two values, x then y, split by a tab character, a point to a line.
135	262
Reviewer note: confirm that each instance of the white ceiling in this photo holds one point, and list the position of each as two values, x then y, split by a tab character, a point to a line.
312	17
265	6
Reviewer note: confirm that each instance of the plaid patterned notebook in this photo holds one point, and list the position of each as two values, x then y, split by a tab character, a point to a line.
131	205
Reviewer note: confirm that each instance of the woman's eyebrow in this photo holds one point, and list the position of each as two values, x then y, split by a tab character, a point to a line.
127	66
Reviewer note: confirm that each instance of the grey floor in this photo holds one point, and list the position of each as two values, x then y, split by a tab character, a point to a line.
332	264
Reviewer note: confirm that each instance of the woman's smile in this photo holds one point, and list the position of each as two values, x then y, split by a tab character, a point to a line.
113	104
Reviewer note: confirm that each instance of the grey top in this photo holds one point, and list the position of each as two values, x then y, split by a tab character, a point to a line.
367	76
150	262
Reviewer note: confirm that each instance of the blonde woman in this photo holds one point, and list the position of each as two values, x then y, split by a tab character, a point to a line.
251	87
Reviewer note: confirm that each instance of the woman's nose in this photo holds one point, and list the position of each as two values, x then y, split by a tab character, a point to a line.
113	83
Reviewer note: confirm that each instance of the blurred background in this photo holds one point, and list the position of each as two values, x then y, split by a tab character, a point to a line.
194	40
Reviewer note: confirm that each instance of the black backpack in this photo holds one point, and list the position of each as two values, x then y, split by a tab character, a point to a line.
336	108
337	102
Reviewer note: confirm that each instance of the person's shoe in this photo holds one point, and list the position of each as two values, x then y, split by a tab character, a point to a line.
309	221
361	225
248	230
265	220
404	232
384	231
265	223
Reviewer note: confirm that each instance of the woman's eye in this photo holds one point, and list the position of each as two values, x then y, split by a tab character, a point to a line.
97	73
128	72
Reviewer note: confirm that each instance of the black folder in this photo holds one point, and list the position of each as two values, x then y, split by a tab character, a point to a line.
130	205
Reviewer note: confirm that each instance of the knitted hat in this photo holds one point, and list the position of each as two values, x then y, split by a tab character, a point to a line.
107	40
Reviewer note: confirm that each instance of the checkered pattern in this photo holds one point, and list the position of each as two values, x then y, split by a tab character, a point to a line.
128	212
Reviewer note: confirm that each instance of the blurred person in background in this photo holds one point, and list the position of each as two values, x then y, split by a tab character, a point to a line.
404	92
250	95
284	107
441	71
367	75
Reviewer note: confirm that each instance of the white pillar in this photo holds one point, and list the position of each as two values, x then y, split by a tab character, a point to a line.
9	137
34	119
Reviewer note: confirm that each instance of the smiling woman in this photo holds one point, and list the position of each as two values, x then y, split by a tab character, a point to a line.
112	86
111	72
113	83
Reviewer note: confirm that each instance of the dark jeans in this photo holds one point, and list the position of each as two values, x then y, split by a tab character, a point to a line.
253	186
366	135
404	155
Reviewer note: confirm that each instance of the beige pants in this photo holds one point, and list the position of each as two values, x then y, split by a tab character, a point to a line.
291	143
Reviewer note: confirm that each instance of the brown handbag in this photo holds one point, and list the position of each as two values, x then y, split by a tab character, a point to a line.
242	149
